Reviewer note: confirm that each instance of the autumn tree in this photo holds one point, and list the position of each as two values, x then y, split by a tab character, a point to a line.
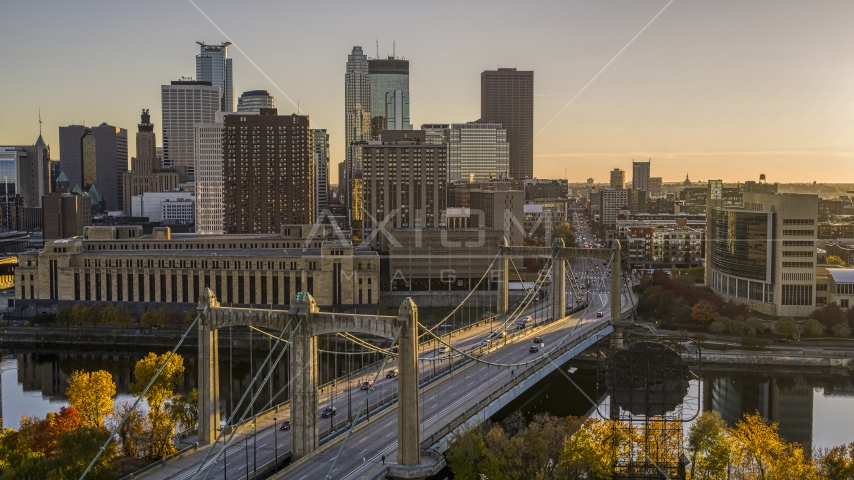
91	393
708	447
564	231
108	314
834	260
758	451
132	434
829	315
77	448
837	463
162	425
704	312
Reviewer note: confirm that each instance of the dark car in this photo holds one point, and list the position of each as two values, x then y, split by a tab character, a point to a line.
391	373
286	425
538	340
366	385
534	349
783	340
328	412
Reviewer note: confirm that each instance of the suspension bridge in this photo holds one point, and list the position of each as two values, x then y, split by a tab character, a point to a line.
398	425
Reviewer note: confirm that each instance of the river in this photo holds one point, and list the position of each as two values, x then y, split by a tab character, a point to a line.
811	406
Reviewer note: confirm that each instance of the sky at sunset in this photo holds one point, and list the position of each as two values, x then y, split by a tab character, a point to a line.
723	89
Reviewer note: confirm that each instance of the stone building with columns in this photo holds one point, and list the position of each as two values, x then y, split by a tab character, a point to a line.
120	265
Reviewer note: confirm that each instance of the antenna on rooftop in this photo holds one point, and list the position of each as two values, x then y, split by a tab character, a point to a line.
378	47
393	49
40	121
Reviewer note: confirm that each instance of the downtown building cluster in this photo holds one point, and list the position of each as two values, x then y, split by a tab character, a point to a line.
239	196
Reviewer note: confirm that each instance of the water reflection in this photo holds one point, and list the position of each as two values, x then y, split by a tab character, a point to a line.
813	408
35	382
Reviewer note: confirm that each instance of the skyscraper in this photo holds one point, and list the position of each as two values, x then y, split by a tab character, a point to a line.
146	159
640	176
507	97
397	110
25	171
320	147
255	100
96	156
268	172
357	113
209	180
214	66
618	178
387	75
478	151
411	190
185	103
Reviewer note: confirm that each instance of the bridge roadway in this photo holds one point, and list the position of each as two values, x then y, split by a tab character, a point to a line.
251	450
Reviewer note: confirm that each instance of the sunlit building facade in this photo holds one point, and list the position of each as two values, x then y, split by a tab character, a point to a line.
477	152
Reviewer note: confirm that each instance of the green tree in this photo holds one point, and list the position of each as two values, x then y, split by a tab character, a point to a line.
44	318
834	260
108	314
153	318
704	312
78	448
708	447
123	317
184	409
191	316
812	328
80	314
838	463
565	232
91	393
841	330
94	314
66	316
786	326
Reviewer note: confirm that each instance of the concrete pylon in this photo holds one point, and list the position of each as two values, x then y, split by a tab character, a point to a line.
208	371
304	378
558	289
616	298
408	410
503	279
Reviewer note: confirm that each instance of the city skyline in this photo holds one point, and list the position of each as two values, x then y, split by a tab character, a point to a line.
726	91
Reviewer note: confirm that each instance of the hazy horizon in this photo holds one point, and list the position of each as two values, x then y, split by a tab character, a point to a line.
724	90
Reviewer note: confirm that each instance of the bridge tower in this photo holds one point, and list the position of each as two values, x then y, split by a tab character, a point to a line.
307	324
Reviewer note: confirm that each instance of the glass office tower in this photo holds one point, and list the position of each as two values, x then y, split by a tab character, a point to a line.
387	75
214	66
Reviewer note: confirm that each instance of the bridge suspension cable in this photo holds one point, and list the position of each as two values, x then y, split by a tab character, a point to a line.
364	404
236	426
142	394
529	361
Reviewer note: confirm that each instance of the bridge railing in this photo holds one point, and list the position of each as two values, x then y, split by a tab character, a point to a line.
517	378
449	364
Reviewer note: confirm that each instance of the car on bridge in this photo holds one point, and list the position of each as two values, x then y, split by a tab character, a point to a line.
538	339
366	385
286	425
443	349
391	373
328	412
600	314
534	349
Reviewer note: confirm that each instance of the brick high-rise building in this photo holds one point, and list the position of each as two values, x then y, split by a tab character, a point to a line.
268	172
618	178
405	179
507	97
